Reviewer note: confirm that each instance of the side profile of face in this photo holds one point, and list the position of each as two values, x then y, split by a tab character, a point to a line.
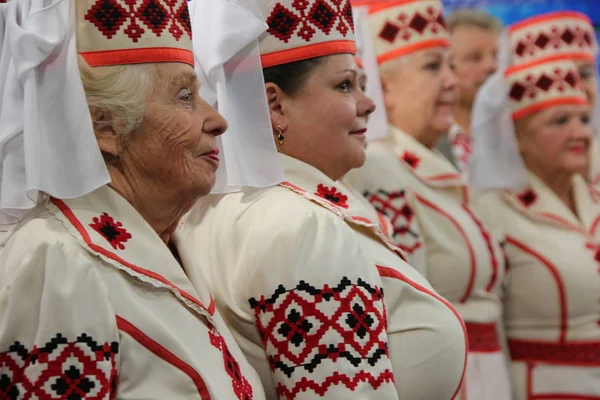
589	79
325	122
420	92
175	145
555	141
474	59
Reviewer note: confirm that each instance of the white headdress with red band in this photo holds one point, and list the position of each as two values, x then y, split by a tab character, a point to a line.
303	29
400	27
514	92
565	33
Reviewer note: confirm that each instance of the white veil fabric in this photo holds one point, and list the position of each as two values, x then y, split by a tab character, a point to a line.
47	142
226	48
378	125
496	162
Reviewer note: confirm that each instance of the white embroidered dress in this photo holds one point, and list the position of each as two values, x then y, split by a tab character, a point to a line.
427	201
93	305
318	299
552	303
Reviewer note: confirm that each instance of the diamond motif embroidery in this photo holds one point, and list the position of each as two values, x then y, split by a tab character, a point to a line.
389	32
241	387
306	328
111	231
109	17
418	23
284	23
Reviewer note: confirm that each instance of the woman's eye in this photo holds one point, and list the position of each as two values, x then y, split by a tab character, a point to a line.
185	95
345	86
585	119
433	66
561	120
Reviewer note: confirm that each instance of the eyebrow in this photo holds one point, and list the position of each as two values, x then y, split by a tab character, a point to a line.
185	79
351	70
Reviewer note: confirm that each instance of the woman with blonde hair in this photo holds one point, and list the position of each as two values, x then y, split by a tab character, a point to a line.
96	300
532	136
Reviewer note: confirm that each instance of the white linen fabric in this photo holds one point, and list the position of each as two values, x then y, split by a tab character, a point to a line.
39	153
226	34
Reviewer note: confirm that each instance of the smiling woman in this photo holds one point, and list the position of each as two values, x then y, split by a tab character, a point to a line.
322	304
95	296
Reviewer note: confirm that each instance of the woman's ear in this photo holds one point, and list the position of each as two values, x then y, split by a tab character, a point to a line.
107	137
277	100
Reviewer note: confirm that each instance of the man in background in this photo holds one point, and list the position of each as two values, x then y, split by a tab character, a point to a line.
475	37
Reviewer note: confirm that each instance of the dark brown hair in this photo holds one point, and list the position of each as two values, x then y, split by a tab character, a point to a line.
291	77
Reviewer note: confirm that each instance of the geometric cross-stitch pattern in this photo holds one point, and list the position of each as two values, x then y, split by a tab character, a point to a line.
111	231
320	337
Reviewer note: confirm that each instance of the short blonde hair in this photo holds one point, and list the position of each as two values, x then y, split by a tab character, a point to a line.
120	92
473	17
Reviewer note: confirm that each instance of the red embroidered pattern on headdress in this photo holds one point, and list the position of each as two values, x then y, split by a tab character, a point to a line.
332	195
308	15
532	85
556	38
111	231
405	26
109	16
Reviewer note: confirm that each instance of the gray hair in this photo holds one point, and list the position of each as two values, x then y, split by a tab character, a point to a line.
120	92
473	17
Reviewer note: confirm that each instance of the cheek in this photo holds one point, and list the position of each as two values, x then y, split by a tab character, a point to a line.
176	130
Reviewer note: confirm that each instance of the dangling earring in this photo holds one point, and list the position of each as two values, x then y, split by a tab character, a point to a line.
280	137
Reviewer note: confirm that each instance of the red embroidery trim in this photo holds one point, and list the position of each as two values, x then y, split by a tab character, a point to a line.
386	272
394	205
111	231
490	246
50	372
240	384
483	338
296	329
161	352
463	234
411	159
332	195
562	294
574	353
528	197
100	250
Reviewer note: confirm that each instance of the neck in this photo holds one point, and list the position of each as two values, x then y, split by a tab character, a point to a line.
161	209
562	186
462	116
426	138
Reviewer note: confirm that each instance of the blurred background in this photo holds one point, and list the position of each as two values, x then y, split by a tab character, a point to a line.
510	11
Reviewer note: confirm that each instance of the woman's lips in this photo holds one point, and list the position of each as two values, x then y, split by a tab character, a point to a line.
213	155
359	132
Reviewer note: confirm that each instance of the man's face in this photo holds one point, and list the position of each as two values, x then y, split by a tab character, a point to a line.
474	59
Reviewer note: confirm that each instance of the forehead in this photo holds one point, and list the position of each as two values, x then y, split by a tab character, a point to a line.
176	73
465	36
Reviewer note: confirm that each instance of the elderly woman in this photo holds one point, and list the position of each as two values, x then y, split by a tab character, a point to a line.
318	299
569	34
531	142
95	301
424	196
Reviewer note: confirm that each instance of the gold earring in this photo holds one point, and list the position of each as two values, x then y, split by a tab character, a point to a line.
280	137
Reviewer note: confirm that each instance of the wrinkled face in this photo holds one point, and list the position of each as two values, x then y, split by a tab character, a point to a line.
555	140
327	120
589	79
420	91
175	146
474	59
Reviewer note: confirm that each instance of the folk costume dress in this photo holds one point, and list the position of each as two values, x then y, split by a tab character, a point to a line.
318	299
320	302
93	304
551	291
109	312
428	202
564	34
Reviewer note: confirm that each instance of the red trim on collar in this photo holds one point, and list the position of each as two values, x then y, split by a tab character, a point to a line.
462	233
386	272
101	250
562	293
158	350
